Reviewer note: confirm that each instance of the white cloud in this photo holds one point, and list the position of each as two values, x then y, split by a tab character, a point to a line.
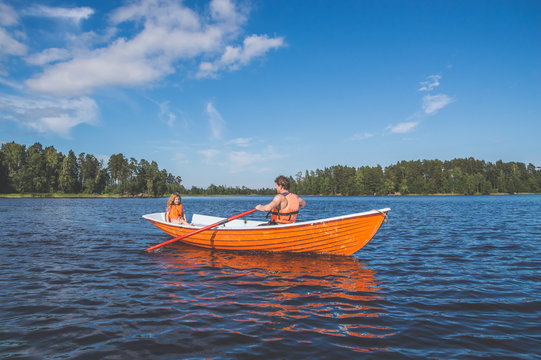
8	16
49	115
165	115
168	32
224	10
9	45
9	42
403	127
432	82
215	120
241	142
433	103
73	14
209	154
48	56
359	136
251	161
239	160
234	57
12	84
145	41
165	13
101	68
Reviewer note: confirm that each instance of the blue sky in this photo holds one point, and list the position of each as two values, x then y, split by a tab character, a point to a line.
236	92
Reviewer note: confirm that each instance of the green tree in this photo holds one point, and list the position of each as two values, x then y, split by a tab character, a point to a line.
373	179
89	172
13	159
118	168
33	172
53	165
4	178
415	177
432	176
344	180
69	174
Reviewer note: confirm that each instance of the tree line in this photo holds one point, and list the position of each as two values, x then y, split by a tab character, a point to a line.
45	170
458	176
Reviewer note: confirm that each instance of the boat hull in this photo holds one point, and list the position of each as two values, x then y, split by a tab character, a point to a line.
341	236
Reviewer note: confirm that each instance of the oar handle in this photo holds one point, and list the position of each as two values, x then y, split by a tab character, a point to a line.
221	222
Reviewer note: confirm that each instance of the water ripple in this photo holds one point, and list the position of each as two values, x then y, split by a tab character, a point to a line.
447	277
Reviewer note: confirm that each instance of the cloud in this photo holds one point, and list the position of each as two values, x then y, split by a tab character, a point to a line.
8	16
102	68
48	56
403	127
239	160
165	115
73	14
432	82
216	121
210	154
433	103
241	142
12	84
363	136
235	161
54	115
9	44
234	57
144	41
251	161
224	10
165	33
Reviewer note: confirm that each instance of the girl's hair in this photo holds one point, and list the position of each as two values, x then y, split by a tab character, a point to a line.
171	199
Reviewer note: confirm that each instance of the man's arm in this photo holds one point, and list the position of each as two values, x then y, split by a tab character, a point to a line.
273	204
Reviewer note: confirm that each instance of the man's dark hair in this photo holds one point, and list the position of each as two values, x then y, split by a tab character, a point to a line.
282	181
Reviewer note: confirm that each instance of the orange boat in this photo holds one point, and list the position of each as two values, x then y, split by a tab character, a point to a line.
342	235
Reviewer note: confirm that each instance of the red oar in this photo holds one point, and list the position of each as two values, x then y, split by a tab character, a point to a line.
221	222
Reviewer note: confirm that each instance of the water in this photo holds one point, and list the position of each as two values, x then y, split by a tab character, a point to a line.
446	278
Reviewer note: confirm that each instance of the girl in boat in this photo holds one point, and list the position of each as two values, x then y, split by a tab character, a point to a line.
174	212
285	206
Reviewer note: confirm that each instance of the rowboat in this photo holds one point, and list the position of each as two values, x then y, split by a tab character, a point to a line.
341	235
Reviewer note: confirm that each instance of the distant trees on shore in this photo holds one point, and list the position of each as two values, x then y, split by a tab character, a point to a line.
458	176
44	170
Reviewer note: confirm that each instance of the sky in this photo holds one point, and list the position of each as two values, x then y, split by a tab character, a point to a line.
235	93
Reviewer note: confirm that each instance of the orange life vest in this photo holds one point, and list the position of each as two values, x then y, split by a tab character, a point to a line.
289	214
176	212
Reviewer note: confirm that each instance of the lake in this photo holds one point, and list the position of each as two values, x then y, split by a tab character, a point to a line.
448	277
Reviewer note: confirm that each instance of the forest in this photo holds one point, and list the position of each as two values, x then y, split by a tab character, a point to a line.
422	177
45	170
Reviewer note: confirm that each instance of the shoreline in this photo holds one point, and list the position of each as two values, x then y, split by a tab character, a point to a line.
146	196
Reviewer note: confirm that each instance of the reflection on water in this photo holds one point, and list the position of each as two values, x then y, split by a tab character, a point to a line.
275	296
457	277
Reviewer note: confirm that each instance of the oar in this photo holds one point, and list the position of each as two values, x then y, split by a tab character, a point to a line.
221	222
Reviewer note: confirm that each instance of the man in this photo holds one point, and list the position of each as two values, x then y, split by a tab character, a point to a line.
285	206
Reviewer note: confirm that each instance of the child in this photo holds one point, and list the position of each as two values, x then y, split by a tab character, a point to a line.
175	212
